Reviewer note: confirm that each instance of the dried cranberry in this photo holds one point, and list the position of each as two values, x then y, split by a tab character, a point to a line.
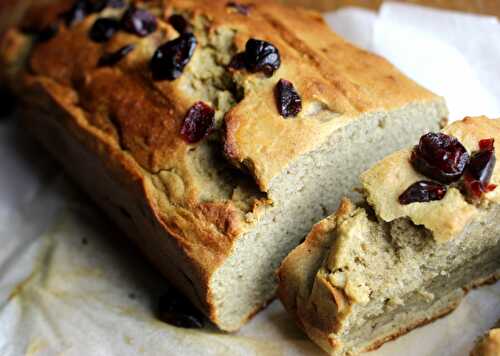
175	309
440	157
480	169
109	59
76	13
198	123
103	29
261	56
139	22
423	191
240	8
169	60
487	144
179	23
287	98
238	61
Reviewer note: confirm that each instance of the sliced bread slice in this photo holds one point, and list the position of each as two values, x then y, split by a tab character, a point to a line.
374	271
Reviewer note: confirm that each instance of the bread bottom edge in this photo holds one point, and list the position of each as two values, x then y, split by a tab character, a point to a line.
331	347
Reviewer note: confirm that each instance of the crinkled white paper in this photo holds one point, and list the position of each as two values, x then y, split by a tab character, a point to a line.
71	284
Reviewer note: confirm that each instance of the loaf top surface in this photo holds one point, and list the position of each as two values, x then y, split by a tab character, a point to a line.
446	218
336	81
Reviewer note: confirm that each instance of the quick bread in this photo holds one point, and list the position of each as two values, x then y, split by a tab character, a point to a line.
170	115
375	270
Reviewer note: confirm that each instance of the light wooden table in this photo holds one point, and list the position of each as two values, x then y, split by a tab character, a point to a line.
490	7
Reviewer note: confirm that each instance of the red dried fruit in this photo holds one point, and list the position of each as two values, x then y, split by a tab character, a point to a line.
423	191
261	56
440	157
109	59
487	144
103	29
198	123
243	9
169	60
175	309
287	98
179	23
139	22
480	169
238	61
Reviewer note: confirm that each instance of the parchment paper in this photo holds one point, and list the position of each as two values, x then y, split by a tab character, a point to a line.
71	284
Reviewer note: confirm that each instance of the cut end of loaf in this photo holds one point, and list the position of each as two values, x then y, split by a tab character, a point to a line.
306	192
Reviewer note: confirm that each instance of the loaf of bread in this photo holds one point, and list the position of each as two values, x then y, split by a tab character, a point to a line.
427	232
489	344
214	133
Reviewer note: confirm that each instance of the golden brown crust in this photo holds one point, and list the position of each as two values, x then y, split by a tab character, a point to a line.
308	250
299	268
120	187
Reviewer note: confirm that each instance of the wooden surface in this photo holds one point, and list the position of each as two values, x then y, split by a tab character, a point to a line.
490	7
